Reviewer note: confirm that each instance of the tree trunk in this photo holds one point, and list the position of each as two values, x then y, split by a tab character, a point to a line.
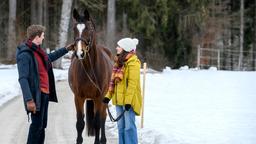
64	26
40	12
125	27
46	23
241	34
111	25
36	10
33	11
254	40
11	31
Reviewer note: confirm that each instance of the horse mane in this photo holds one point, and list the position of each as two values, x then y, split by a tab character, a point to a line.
92	21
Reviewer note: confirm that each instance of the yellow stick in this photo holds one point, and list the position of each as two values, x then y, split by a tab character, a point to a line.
143	93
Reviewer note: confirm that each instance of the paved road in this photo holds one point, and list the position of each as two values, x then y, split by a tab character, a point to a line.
61	122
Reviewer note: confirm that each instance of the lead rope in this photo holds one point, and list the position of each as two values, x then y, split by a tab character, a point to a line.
112	118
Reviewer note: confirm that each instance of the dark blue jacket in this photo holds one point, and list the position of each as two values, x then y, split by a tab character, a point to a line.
29	76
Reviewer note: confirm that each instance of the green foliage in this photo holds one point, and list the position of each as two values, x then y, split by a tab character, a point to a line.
249	28
97	9
93	5
168	30
165	27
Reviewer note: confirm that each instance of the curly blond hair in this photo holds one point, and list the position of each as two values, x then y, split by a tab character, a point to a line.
35	30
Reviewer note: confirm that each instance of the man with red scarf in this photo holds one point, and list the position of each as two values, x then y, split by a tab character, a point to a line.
37	80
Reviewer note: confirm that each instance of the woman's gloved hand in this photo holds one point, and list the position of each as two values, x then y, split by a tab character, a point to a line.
127	107
106	100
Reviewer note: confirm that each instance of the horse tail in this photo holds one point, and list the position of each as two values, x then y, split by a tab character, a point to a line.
90	118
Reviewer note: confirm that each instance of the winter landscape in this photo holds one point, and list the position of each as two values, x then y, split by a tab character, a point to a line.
182	106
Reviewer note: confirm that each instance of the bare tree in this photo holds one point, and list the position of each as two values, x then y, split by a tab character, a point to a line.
40	12
11	30
241	34
33	12
125	27
64	26
111	25
45	20
254	42
36	10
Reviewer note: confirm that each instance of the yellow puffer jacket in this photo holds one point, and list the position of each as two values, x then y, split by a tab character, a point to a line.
128	91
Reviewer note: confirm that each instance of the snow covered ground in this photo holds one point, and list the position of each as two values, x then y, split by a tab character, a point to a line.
185	106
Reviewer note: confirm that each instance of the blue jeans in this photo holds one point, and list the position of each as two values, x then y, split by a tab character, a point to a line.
127	130
36	133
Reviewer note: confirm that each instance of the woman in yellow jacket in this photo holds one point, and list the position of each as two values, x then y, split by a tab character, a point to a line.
124	89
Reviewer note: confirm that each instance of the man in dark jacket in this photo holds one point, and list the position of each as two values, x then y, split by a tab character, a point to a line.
37	80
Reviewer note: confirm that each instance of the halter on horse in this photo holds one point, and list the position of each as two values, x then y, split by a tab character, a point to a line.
89	76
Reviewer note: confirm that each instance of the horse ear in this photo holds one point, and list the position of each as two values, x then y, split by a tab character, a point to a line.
86	15
75	14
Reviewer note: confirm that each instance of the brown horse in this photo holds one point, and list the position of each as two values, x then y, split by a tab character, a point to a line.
89	76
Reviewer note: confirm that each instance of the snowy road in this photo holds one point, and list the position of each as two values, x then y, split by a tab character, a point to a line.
61	121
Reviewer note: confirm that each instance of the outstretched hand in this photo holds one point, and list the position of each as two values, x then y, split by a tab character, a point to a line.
70	46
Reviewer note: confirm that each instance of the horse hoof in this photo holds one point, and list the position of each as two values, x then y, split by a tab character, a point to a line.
79	140
103	141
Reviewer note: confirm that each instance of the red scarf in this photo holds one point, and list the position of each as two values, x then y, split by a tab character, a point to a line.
43	66
118	70
41	53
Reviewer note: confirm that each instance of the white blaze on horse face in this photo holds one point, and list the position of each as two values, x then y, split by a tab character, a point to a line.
79	52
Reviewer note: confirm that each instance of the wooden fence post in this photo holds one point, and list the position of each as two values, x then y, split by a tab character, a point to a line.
143	93
218	59
198	56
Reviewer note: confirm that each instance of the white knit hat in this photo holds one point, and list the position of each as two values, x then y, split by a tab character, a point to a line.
128	44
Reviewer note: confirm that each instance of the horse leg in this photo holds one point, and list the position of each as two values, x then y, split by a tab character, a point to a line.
99	122
80	119
97	127
103	116
100	119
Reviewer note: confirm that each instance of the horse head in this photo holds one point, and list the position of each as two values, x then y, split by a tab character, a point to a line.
84	34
